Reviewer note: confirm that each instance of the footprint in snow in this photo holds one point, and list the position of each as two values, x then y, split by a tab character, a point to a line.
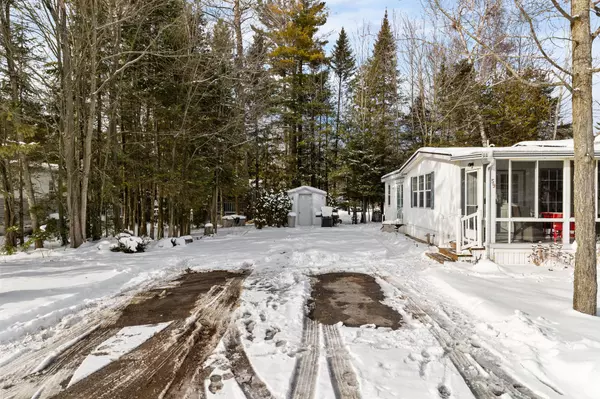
444	391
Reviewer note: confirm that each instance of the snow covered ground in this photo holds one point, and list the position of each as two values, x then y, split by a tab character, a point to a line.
520	314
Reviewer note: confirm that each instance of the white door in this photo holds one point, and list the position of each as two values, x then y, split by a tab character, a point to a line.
305	214
471	203
400	201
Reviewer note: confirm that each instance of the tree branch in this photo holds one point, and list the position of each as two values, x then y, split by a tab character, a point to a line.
537	40
501	60
562	11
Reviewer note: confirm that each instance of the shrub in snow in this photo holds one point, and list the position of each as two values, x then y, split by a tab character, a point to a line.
53	230
551	255
183	240
130	244
272	209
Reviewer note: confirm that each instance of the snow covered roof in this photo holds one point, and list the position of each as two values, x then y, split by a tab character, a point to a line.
523	149
555	143
305	189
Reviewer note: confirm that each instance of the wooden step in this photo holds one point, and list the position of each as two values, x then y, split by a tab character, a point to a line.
438	257
452	254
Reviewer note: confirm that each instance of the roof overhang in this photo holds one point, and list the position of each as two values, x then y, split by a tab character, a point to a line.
419	154
309	189
518	152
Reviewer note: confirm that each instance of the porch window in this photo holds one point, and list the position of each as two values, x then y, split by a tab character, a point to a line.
523	189
529	201
551	186
502	189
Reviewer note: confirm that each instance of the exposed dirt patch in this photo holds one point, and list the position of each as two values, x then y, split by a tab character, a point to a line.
171	303
352	298
169	365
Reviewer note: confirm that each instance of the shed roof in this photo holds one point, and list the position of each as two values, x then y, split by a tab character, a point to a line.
307	189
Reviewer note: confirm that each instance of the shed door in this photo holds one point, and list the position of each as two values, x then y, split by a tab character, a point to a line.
305	214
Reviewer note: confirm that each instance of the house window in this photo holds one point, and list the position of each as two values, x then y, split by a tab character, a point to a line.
414	202
422	191
389	194
428	190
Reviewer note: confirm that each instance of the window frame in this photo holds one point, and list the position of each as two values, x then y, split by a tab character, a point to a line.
510	220
414	194
421	196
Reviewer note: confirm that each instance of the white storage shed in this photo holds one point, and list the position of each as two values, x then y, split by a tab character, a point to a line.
306	203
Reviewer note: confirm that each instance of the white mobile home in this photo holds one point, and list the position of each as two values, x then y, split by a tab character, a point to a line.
497	199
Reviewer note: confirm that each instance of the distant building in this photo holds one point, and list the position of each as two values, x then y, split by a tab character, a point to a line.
43	177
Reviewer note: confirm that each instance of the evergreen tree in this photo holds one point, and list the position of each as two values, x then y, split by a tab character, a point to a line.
374	134
292	27
343	65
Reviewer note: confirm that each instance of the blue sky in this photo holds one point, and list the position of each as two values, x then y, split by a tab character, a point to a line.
352	13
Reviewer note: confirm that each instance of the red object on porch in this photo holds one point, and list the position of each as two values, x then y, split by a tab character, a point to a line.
556	228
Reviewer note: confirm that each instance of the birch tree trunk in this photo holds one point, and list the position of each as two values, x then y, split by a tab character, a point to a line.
585	284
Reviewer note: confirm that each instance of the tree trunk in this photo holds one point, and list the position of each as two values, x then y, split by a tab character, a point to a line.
68	133
21	208
10	238
363	214
15	121
161	216
585	284
89	132
337	133
143	202
481	126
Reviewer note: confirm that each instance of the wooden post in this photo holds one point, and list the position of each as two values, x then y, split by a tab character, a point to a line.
567	202
458	232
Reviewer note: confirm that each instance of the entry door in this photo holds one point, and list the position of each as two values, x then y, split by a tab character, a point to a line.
471	196
399	200
305	215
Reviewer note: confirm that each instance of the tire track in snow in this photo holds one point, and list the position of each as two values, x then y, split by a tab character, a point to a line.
170	365
480	369
343	377
249	382
307	365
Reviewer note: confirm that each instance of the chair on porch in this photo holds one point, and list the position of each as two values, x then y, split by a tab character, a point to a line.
556	228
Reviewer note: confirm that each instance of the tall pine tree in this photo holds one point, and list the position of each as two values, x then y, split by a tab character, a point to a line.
374	142
292	27
343	65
